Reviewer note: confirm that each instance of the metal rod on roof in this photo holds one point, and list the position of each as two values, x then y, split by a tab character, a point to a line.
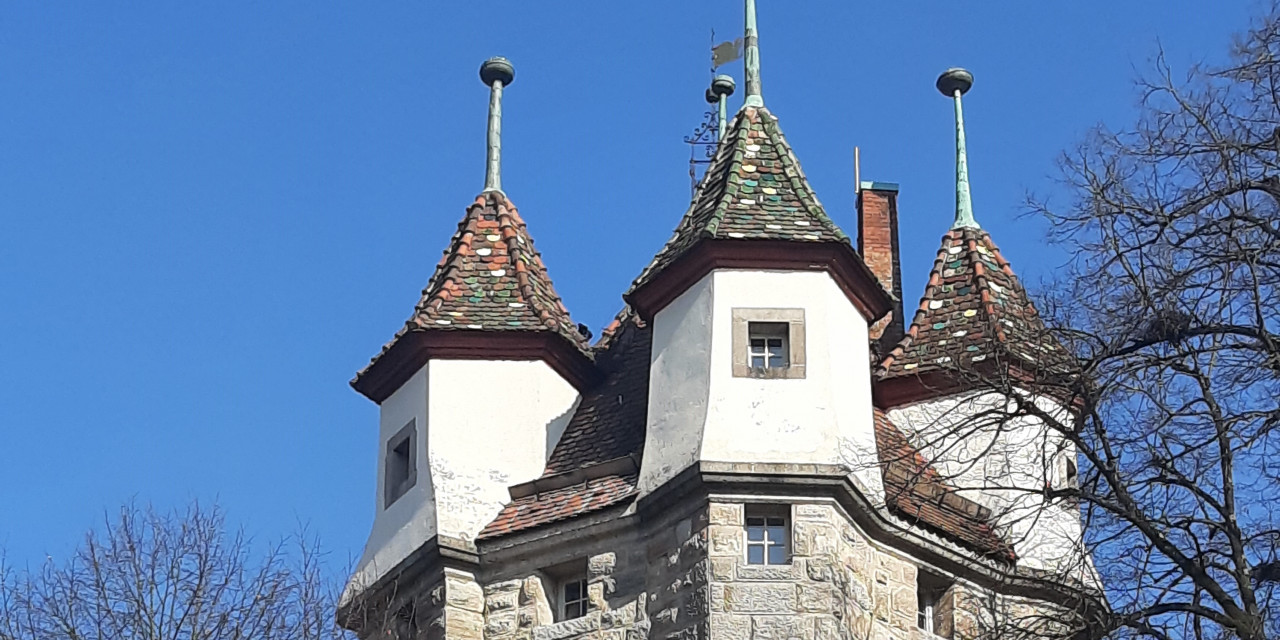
722	87
751	51
497	73
953	83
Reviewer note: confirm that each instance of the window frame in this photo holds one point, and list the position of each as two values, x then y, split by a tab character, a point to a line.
931	589
563	602
794	345
767	514
394	488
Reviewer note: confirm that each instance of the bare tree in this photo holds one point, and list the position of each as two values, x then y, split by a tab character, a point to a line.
171	576
1171	304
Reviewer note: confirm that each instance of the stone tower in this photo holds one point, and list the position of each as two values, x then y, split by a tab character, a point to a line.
757	447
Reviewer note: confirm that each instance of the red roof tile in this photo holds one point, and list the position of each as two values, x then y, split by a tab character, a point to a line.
753	190
560	504
917	492
608	424
491	278
973	309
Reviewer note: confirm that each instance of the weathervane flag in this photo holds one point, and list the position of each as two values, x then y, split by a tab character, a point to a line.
726	52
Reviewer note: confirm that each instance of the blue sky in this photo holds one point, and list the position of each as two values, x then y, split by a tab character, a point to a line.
212	214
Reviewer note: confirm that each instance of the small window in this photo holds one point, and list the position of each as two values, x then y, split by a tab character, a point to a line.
401	466
930	590
768	345
573	598
567	587
767	536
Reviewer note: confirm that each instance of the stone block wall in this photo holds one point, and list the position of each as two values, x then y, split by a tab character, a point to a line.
522	608
836	586
685	577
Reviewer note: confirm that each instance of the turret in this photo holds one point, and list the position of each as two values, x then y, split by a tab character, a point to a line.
477	387
976	323
760	310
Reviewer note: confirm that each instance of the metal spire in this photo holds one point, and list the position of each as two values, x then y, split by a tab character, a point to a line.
751	49
954	83
497	73
722	87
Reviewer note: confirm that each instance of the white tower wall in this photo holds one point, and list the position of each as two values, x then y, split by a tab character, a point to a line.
698	409
1003	465
481	426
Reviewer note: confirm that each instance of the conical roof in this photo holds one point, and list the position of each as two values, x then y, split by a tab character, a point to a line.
491	279
753	192
974	309
754	189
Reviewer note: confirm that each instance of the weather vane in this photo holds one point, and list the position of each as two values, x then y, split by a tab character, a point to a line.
705	139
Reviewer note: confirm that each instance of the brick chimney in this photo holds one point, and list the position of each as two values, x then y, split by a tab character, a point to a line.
878	245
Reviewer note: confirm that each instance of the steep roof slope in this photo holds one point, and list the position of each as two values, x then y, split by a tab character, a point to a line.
595	464
756	206
754	189
974	308
490	279
916	491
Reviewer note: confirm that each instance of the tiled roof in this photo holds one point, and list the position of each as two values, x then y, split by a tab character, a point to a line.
609	424
610	420
974	308
753	190
916	491
491	278
560	504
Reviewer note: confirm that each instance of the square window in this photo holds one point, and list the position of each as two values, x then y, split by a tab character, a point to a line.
768	343
400	465
767	539
567	589
573	598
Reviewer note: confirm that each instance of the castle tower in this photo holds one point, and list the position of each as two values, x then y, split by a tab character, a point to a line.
473	393
736	457
976	323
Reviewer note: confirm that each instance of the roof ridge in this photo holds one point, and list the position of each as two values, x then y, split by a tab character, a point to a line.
799	181
754	189
984	283
520	253
921	309
735	153
973	308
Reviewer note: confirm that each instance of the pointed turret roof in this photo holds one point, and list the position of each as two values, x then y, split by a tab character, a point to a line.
491	279
754	189
754	193
490	296
974	308
754	208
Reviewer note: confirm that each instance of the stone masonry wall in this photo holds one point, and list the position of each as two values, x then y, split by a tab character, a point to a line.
522	608
837	585
685	577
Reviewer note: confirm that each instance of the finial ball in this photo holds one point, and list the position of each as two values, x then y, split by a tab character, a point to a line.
721	85
497	69
953	80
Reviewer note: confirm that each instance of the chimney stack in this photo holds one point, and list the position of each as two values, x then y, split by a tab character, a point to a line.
878	245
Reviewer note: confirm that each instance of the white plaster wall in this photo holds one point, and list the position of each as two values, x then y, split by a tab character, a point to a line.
482	426
679	383
408	522
699	411
487	430
825	417
1004	466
